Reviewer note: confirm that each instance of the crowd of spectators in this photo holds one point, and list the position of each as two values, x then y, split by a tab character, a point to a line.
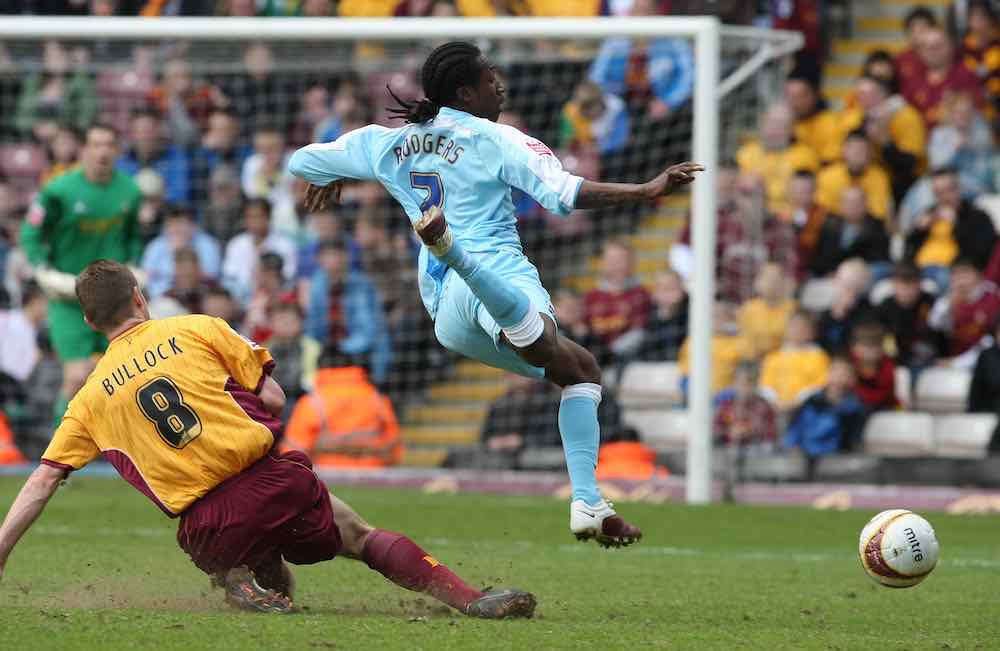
876	200
873	212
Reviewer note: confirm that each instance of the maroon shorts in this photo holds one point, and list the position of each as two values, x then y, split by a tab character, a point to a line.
276	508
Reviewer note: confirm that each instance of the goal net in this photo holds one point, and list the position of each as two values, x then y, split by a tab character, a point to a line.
208	109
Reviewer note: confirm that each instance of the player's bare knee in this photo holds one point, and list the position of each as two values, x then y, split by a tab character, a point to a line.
353	536
543	351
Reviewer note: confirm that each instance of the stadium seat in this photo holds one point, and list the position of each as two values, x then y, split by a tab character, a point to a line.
904	387
942	390
778	466
650	384
663	429
964	436
900	434
23	164
817	295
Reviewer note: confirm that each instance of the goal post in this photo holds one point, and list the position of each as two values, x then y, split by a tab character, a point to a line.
719	76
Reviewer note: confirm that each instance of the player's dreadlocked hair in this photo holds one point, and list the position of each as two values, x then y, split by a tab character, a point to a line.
449	67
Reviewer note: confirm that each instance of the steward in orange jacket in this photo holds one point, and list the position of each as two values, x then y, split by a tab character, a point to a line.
628	458
345	422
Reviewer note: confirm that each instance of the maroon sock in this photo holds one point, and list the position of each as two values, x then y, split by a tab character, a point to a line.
404	563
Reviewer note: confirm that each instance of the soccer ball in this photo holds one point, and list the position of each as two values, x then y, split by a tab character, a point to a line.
898	548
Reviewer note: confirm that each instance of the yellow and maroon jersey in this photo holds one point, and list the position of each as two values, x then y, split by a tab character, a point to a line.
173	406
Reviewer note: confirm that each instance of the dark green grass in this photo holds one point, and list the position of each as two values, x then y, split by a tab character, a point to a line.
102	571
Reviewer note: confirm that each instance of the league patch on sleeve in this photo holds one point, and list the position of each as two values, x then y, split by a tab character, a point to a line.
538	147
36	214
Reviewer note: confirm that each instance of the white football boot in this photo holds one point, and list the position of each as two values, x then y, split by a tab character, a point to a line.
601	523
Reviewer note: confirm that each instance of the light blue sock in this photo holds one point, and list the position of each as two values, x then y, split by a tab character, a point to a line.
507	305
581	436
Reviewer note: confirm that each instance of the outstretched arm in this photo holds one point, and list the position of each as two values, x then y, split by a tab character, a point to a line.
325	165
28	505
600	195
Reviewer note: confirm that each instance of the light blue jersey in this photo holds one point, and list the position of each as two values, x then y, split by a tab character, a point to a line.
464	164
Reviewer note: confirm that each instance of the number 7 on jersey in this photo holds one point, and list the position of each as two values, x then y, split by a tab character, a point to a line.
431	183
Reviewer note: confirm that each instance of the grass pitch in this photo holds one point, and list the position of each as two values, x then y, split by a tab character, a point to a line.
101	570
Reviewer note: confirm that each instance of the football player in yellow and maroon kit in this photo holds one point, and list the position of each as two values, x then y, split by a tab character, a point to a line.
186	411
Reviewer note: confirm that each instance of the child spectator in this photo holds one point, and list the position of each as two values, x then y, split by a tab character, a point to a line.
851	233
729	348
800	366
742	415
344	422
874	370
594	120
857	169
830	419
764	318
668	325
904	315
850	306
619	309
964	317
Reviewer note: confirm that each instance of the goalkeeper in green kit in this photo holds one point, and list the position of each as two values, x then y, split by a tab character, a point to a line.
89	212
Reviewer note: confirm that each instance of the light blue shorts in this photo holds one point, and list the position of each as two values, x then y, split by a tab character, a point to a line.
463	324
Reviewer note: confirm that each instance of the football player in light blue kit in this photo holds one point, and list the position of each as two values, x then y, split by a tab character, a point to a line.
452	159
